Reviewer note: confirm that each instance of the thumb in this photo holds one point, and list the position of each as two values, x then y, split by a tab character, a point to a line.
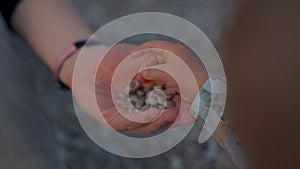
157	75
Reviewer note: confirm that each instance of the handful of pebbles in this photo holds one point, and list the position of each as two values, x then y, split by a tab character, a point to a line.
142	98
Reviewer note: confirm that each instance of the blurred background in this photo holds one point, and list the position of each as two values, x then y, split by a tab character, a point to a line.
213	17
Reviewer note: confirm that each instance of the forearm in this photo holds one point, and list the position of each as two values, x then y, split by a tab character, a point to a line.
50	26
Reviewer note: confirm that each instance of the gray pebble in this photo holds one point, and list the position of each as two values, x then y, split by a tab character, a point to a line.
139	104
147	101
134	85
169	96
145	107
146	90
170	104
148	93
133	98
170	91
142	98
140	93
157	87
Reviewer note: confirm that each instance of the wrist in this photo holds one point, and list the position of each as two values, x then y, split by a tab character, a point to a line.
66	62
67	69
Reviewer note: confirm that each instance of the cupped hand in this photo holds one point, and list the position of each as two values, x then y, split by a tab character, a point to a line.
166	54
88	75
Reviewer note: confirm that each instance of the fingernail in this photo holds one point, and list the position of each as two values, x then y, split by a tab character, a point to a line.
129	127
145	73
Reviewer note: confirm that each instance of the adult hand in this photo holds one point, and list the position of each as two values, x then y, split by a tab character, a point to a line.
109	116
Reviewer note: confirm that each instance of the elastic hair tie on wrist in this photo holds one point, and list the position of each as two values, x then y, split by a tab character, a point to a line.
67	54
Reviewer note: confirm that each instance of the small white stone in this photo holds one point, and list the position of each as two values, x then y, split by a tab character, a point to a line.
153	100
161	100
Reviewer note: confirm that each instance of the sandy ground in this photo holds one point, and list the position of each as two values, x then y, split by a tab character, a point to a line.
76	149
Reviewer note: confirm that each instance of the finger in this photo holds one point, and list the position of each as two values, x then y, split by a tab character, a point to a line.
185	117
121	123
154	44
153	76
139	78
153	47
138	53
149	84
157	75
144	116
112	119
168	117
152	60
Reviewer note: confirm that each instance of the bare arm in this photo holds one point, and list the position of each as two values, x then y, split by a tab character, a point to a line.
50	26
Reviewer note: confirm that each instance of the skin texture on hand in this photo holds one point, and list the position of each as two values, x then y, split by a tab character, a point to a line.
61	19
109	116
50	27
166	55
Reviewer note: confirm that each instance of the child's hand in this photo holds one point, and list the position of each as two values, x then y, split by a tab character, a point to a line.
166	55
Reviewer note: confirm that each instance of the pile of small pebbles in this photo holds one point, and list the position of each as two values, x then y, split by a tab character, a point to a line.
142	98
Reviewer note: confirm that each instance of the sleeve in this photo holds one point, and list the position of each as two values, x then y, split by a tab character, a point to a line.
7	8
224	135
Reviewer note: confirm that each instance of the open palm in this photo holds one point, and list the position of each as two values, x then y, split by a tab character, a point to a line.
104	110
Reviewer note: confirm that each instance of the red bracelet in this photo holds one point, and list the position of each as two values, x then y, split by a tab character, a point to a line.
65	55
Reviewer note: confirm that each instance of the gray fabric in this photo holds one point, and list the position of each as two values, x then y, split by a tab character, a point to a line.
27	141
